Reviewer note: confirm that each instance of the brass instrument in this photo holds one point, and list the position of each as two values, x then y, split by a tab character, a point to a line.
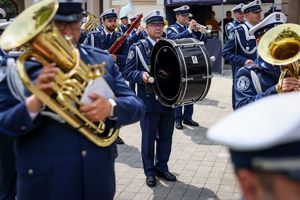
91	23
202	28
33	28
281	46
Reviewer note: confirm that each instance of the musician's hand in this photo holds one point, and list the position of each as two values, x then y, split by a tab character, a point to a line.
98	110
290	84
43	83
46	77
114	57
146	77
248	62
140	29
193	25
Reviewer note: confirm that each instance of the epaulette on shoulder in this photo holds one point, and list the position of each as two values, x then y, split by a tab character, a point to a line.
93	49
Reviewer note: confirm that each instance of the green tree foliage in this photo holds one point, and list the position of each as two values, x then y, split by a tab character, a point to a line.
9	8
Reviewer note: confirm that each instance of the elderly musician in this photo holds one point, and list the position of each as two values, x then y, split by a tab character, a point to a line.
158	124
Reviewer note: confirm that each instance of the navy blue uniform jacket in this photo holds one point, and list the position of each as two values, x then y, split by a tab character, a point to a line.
54	161
245	91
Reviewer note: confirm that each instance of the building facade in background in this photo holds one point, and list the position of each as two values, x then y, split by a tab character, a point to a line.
289	7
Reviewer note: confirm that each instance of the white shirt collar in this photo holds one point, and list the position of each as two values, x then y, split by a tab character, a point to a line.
106	31
180	24
153	42
248	24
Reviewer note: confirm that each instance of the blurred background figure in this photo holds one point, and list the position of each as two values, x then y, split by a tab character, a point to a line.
271	10
226	20
264	148
214	24
238	18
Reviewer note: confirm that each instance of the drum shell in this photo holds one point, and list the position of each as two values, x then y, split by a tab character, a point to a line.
187	69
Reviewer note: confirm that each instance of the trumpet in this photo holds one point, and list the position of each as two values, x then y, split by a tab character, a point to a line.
201	28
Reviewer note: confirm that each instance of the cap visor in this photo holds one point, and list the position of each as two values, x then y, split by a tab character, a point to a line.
68	18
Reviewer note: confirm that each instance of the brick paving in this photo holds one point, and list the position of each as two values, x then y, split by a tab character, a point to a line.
202	168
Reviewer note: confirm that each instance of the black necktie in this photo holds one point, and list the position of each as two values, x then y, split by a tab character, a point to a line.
108	37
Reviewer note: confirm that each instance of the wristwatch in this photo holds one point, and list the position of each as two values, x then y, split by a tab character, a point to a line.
113	112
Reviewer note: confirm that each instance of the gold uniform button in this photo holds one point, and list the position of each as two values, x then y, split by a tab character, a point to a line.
84	153
30	172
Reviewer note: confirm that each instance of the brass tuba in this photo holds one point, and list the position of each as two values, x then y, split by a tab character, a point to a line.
281	46
91	23
34	29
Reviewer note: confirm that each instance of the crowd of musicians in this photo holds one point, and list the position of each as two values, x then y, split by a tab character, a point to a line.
53	161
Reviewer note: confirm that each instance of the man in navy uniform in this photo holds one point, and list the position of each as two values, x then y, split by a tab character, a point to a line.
264	147
158	123
55	161
184	29
124	23
137	33
106	36
7	158
238	18
241	49
260	79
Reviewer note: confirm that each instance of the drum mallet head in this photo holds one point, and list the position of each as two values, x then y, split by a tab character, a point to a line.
151	80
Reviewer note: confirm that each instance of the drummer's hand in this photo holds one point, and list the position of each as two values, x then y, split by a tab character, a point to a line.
44	83
146	77
248	62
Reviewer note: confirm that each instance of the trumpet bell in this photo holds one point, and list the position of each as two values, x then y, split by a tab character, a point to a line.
281	45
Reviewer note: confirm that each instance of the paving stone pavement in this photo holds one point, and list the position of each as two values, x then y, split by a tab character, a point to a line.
202	168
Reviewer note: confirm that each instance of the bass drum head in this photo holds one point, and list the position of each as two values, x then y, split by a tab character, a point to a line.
166	70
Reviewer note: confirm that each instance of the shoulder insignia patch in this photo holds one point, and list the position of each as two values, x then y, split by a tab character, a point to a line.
131	55
243	83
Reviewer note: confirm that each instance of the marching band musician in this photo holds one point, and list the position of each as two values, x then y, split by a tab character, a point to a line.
238	18
124	23
55	161
241	49
260	79
158	124
7	158
184	29
105	37
137	33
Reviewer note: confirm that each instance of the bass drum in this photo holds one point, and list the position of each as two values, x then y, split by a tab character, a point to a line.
181	70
